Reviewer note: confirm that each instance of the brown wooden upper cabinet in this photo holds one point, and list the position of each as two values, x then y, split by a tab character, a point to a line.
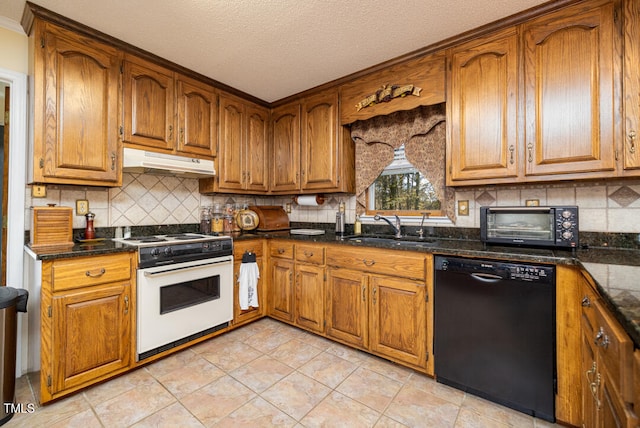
567	104
631	137
570	89
76	109
243	156
483	108
285	148
167	112
324	158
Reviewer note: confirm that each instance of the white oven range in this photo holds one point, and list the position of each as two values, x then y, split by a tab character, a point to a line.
184	289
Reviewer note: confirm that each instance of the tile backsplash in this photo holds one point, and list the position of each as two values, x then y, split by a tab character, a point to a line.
148	199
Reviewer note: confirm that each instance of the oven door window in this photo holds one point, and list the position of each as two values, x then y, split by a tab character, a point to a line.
533	226
182	295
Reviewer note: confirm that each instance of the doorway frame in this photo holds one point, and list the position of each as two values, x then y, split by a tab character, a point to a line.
18	144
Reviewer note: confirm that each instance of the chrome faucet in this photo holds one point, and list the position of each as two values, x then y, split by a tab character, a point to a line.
421	231
396	228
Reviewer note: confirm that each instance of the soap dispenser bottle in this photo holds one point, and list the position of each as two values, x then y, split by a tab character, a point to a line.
357	226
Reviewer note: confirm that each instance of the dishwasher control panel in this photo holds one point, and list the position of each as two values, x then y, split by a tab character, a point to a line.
496	270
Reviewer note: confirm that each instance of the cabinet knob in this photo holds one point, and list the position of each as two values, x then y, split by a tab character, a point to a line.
308	253
586	302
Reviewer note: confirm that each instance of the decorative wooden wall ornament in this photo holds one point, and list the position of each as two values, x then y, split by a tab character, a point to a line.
386	93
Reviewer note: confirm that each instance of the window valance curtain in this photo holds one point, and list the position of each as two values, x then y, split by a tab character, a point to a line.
422	131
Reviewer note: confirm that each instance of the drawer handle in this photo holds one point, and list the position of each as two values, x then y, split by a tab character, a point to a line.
601	339
95	275
308	254
281	250
586	302
368	262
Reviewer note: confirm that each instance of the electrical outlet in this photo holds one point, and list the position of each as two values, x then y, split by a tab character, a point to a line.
463	208
288	208
39	191
82	207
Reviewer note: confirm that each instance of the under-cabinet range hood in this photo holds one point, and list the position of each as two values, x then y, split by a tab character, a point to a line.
135	160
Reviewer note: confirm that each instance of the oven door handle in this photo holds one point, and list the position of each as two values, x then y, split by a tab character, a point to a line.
181	269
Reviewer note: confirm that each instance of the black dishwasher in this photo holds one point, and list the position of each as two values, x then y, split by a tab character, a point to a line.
495	331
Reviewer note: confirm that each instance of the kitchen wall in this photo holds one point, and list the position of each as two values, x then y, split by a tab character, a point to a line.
145	199
14	48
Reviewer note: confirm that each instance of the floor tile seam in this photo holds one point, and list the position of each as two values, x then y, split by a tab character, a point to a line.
328	386
255	394
487	415
93	410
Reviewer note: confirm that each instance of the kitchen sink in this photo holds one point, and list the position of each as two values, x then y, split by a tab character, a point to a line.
393	242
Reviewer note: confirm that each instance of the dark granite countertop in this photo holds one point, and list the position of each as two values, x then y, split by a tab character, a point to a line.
614	270
107	246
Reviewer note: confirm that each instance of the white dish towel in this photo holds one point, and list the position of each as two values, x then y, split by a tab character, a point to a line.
248	280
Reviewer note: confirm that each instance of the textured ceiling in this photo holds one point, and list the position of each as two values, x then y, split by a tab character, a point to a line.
275	48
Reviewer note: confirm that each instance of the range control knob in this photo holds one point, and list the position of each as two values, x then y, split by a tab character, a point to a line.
567	224
566	214
567	235
155	252
167	251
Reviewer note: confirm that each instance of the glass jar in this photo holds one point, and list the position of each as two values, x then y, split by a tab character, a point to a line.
205	220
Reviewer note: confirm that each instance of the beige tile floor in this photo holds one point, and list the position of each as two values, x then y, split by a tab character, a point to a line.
269	374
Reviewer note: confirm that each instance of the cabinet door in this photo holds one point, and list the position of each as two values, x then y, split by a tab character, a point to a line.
347	308
483	102
76	140
614	412
285	148
631	138
319	145
309	307
257	149
197	118
281	290
149	104
241	316
591	382
570	64
230	166
398	319
91	334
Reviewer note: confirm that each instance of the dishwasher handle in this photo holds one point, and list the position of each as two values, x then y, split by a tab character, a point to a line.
486	277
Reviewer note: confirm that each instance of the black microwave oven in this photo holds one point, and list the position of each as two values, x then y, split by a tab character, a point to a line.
552	226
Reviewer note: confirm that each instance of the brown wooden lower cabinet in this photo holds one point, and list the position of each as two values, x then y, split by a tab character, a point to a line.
87	307
607	364
309	297
347	302
241	316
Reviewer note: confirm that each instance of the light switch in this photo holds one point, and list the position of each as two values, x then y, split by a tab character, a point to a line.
82	207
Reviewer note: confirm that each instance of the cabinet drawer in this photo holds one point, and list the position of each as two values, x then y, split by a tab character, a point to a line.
81	272
396	263
588	298
310	254
616	350
253	246
282	249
